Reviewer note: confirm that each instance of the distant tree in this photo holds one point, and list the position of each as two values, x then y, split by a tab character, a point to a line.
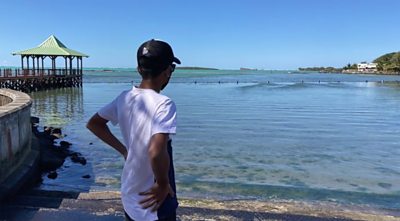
389	62
395	60
379	67
347	67
350	67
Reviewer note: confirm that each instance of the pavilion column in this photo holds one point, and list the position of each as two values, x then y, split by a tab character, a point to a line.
70	64
43	62
22	62
27	61
53	64
81	66
37	62
77	63
33	64
66	66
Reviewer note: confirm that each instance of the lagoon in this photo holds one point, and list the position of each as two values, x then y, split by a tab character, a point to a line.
251	135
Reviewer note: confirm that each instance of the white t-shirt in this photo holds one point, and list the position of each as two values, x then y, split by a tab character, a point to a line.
140	113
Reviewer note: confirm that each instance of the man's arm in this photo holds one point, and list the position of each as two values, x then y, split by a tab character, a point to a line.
98	126
159	160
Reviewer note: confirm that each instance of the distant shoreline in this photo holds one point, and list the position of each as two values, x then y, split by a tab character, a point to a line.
134	69
332	70
374	73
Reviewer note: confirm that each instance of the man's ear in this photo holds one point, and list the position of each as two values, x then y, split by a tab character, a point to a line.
166	72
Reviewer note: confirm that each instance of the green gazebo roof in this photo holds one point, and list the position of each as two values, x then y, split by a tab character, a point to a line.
51	47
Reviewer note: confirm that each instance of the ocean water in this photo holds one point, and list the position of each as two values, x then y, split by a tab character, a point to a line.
251	135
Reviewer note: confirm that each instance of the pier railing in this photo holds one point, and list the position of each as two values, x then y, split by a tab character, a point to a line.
29	73
28	80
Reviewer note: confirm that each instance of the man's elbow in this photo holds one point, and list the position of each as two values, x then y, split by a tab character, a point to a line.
94	122
90	124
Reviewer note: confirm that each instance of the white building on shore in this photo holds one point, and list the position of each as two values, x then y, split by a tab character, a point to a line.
367	67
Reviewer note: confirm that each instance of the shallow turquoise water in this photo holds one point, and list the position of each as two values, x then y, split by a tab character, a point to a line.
254	134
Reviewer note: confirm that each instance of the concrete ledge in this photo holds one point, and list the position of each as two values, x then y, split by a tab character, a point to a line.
19	101
18	160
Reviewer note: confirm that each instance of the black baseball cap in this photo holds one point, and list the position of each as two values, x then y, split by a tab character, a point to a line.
155	55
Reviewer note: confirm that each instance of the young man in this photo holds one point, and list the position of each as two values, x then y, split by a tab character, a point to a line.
146	119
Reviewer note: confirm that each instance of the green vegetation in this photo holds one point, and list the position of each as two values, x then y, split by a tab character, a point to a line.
322	69
350	67
389	62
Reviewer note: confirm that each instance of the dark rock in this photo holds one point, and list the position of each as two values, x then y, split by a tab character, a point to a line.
74	154
47	130
83	161
86	176
65	144
56	131
75	158
53	156
34	120
52	175
49	161
78	159
58	151
90	143
64	151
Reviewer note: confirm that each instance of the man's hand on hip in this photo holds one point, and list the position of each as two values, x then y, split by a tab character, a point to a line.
155	196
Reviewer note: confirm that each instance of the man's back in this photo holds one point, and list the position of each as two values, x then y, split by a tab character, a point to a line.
140	113
146	120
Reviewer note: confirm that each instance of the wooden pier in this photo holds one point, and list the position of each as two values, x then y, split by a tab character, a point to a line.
43	79
37	77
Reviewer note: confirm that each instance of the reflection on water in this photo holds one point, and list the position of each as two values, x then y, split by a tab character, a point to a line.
57	107
64	108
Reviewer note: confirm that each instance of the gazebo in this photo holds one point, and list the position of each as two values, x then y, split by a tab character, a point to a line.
52	48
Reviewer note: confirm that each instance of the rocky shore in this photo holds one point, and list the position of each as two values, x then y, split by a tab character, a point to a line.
53	150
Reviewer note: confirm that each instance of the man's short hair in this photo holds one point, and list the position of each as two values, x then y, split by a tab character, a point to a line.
154	56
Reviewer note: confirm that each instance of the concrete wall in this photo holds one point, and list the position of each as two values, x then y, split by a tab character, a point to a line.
15	130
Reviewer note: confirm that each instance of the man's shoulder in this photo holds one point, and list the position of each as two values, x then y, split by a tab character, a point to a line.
159	98
165	98
149	96
124	93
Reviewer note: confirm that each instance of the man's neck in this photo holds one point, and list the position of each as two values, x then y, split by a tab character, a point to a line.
148	84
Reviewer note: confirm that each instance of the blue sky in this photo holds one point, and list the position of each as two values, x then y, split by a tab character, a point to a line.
226	34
